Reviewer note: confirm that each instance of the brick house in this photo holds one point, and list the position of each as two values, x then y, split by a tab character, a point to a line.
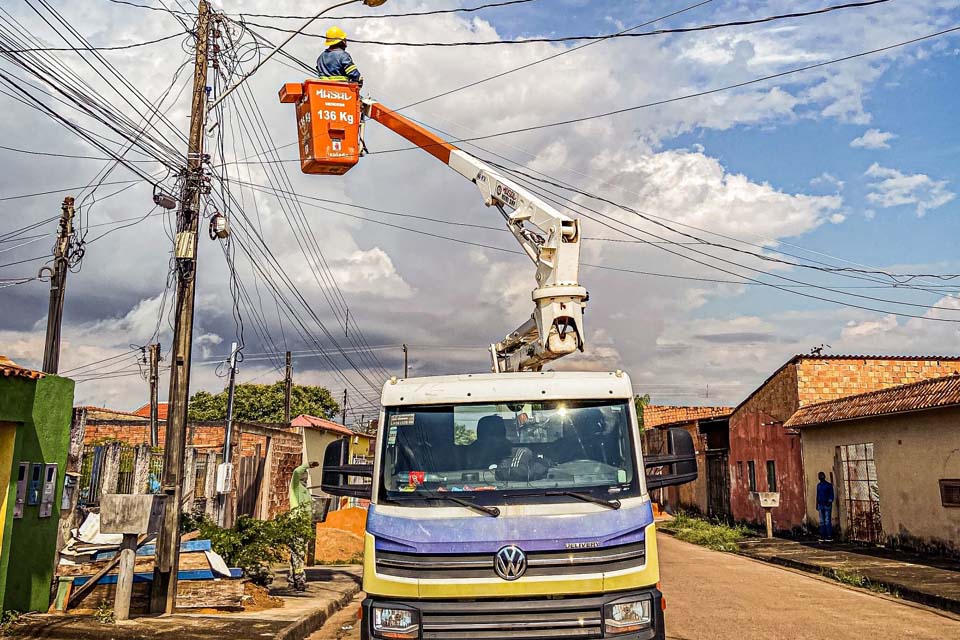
709	494
264	456
766	455
892	458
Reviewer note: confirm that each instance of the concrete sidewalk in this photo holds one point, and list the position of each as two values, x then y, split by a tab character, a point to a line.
328	590
928	581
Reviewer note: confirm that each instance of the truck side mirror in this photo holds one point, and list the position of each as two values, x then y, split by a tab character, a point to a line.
678	467
336	473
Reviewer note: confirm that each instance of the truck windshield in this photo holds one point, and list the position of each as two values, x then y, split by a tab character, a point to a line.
497	451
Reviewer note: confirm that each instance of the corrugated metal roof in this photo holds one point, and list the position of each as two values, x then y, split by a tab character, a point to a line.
10	369
662	415
928	394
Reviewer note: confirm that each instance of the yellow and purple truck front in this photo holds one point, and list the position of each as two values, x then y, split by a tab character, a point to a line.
510	506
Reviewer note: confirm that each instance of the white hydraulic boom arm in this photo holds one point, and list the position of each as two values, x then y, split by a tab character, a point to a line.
556	327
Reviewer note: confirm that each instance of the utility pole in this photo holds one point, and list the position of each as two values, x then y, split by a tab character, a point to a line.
288	389
58	284
225	472
154	383
406	362
164	586
344	420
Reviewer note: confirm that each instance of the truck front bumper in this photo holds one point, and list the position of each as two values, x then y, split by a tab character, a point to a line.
530	619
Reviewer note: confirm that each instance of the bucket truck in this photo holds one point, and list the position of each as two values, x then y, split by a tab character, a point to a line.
512	504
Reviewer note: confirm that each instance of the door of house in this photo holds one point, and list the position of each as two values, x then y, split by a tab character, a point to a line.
860	505
248	476
718	484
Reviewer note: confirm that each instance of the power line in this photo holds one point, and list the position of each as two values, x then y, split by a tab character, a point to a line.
688	96
550	57
610	36
104	48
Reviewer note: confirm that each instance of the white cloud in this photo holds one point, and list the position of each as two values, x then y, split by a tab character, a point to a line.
371	272
892	188
873	139
829	180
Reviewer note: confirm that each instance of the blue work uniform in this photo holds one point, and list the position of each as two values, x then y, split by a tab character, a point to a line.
335	64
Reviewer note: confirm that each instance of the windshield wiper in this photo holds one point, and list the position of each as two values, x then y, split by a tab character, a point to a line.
586	497
493	512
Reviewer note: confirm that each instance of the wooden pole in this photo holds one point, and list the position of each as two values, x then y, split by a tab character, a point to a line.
128	558
164	587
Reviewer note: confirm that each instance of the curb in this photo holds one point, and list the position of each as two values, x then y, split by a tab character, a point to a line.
313	621
901	591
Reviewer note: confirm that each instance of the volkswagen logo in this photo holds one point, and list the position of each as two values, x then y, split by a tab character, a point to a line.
510	563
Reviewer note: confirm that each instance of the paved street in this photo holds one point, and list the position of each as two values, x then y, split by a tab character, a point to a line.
719	596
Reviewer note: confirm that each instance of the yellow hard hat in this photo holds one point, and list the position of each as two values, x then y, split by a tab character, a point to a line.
335	35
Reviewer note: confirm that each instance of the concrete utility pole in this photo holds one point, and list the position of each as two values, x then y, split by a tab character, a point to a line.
406	362
288	389
225	472
344	409
58	285
154	406
164	588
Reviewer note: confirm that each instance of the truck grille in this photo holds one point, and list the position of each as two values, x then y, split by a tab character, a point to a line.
539	619
539	563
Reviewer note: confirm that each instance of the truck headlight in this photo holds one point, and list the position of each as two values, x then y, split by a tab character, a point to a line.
393	622
627	616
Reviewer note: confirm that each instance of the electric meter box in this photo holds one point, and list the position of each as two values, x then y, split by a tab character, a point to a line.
767	499
328	124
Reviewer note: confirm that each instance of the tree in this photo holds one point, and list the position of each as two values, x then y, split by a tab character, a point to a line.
263	403
462	435
641	402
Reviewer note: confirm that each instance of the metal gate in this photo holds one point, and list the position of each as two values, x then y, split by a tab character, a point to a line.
718	484
861	493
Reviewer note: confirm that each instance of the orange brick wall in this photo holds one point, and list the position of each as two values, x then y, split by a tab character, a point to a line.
822	380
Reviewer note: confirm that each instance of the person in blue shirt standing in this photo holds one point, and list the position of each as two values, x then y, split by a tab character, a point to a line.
335	64
825	507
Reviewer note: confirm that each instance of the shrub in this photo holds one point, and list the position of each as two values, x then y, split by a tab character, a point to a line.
254	545
719	537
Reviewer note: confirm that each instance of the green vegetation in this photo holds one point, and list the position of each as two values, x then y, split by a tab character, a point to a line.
854	579
7	620
263	403
254	545
104	613
719	537
462	435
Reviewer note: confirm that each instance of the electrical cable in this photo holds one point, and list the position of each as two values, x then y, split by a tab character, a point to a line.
104	48
610	36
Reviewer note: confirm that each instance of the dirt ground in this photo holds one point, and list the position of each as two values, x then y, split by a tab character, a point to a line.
338	547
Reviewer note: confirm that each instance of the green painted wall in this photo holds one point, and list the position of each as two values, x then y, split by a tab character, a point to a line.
43	410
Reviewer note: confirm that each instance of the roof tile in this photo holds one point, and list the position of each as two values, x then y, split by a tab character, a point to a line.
927	394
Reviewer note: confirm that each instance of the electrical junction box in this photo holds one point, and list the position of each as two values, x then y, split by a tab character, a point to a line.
70	483
22	478
35	484
225	477
49	491
328	124
767	499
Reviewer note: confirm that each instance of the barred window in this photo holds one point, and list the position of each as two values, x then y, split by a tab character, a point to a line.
950	492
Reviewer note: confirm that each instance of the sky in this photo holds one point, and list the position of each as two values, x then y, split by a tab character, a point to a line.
850	166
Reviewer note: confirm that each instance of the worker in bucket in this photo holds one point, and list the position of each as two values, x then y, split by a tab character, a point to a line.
302	502
335	64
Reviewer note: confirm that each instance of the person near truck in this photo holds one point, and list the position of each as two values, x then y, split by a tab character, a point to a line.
300	500
825	507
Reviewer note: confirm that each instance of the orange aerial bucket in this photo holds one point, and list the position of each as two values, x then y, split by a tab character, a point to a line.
328	124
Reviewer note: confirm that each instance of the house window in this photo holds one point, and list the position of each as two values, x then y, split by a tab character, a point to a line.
752	474
740	470
771	476
950	493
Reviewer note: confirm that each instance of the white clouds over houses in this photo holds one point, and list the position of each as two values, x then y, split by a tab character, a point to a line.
873	139
893	188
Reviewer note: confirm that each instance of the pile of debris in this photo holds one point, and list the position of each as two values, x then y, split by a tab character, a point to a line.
88	569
